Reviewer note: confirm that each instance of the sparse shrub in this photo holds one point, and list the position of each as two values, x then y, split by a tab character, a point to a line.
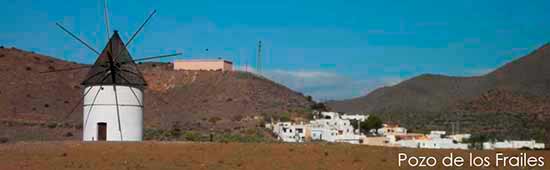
4	139
239	138
214	119
237	118
28	68
46	105
175	133
191	136
284	117
68	134
51	125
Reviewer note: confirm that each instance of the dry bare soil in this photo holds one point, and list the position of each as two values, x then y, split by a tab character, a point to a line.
178	155
36	106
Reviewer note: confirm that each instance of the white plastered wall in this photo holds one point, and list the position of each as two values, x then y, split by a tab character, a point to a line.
130	101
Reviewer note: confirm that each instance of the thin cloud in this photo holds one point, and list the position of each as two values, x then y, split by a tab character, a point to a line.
325	85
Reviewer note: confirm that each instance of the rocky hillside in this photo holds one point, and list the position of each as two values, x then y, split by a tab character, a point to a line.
510	102
38	103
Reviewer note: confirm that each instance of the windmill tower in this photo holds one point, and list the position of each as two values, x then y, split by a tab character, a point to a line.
113	106
113	90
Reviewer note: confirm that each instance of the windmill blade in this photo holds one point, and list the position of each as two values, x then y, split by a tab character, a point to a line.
106	13
67	69
81	99
140	28
132	90
118	112
91	106
155	57
136	74
75	37
77	104
135	34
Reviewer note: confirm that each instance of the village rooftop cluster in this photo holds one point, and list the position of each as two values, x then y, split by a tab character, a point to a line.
336	127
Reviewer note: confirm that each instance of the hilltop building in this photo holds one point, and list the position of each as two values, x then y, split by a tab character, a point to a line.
204	64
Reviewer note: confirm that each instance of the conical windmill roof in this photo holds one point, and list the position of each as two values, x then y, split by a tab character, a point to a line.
114	66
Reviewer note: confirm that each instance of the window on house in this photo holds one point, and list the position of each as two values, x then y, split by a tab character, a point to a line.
300	130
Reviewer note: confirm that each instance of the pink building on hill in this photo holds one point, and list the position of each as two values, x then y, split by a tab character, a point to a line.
203	64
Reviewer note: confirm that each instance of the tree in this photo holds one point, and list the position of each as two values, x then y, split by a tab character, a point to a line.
319	107
372	122
476	141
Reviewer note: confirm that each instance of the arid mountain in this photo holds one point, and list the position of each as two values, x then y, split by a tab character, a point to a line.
189	100
510	102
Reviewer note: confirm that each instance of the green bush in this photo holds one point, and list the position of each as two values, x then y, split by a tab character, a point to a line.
191	136
284	117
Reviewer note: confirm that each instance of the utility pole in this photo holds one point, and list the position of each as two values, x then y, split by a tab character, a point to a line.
259	59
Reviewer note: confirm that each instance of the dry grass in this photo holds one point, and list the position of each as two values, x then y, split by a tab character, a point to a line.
179	155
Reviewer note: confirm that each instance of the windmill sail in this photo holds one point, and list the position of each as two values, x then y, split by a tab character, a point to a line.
115	63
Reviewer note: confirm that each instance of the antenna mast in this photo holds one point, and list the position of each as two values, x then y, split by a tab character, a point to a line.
259	64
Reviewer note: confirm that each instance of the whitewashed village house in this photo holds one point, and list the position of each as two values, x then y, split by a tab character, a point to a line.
390	129
332	127
434	140
327	126
513	144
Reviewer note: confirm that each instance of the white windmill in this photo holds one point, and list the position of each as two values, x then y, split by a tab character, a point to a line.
113	93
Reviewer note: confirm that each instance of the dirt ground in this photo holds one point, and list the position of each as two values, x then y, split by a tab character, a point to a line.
179	155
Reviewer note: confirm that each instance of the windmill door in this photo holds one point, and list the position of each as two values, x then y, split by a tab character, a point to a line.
101	131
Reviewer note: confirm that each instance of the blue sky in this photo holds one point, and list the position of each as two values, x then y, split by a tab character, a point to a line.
328	49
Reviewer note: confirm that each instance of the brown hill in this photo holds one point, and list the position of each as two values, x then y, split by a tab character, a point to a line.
515	96
188	100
